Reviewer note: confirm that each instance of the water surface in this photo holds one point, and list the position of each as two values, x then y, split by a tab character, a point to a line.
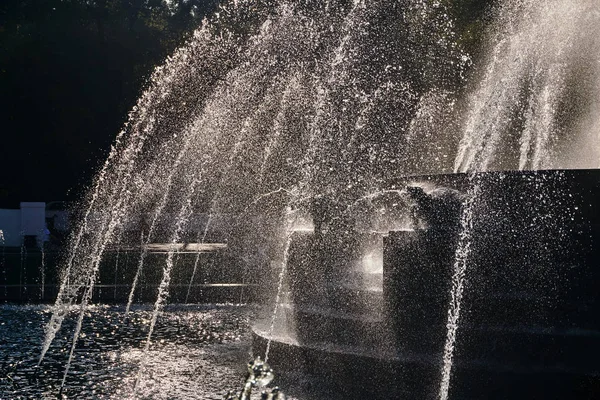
198	352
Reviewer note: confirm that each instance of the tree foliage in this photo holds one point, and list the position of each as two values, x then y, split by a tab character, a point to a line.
69	71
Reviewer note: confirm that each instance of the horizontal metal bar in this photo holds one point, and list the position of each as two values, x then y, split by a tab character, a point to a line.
143	285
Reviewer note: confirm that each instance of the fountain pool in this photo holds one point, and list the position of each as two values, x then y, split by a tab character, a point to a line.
281	118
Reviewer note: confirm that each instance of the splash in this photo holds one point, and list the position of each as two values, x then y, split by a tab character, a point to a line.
537	100
282	273
460	269
542	60
312	96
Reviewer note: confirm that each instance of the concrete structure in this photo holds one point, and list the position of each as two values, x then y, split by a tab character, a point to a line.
32	223
10	225
529	325
28	221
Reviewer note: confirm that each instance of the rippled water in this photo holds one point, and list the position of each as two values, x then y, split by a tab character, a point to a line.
197	353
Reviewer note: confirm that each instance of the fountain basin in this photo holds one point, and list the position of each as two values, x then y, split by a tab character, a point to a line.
529	325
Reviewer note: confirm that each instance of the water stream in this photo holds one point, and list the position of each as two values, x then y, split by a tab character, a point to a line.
163	289
459	274
329	99
3	263
536	51
281	278
532	107
42	271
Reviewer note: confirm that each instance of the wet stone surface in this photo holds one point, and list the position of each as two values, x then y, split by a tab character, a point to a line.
196	353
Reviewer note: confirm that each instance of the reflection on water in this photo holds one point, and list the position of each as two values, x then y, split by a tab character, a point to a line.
197	353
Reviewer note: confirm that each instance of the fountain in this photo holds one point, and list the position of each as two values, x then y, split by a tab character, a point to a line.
348	155
500	291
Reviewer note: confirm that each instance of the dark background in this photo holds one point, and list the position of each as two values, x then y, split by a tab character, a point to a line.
70	70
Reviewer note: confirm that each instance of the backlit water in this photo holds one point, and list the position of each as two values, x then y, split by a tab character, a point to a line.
197	352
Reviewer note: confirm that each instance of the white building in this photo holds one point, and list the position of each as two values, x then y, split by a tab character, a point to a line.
28	221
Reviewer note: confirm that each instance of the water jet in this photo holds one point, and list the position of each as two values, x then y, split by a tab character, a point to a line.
407	218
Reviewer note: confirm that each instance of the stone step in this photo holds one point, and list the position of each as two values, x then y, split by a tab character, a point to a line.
352	299
367	375
315	325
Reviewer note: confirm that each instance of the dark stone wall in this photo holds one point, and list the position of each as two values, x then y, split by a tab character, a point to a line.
530	314
530	311
416	285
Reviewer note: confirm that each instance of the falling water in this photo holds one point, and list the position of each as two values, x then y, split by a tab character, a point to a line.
163	289
42	271
237	148
282	272
312	96
96	257
292	89
116	275
537	100
157	213
138	273
201	239
120	163
543	58
68	290
335	68
460	267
